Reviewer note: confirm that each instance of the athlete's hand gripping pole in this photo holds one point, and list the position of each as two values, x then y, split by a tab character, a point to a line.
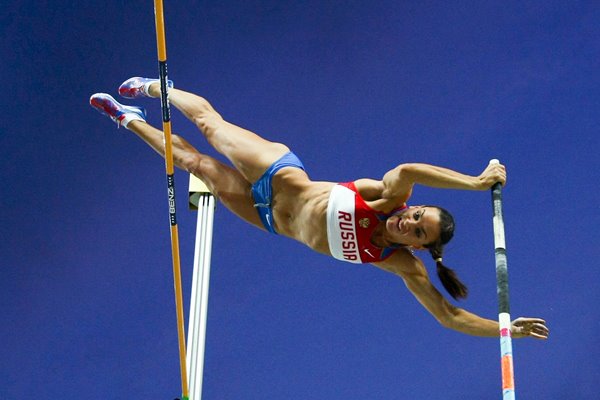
508	382
162	66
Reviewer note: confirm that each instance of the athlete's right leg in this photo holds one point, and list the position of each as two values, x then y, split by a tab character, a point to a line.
249	153
227	184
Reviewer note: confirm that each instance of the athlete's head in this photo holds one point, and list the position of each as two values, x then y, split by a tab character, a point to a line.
428	227
417	227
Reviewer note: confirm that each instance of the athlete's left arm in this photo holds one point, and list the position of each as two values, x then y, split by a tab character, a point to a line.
398	182
414	274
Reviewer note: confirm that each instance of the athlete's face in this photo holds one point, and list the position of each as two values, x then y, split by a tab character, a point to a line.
415	227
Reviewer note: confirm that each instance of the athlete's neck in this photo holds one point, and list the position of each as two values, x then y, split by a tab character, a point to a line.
378	236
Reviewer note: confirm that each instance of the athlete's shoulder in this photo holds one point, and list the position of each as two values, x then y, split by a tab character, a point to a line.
369	189
402	262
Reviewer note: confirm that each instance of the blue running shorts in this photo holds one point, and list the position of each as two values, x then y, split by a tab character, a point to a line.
262	190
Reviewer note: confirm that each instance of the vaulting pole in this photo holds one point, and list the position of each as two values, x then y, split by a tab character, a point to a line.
508	381
166	115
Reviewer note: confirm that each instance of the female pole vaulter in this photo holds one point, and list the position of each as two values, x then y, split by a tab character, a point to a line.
364	221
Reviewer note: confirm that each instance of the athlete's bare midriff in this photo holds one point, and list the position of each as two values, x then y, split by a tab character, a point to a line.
300	208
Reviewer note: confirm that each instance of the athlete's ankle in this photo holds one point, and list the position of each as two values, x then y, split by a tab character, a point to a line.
130	123
153	89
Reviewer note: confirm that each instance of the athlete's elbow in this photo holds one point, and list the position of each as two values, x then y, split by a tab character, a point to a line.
398	182
448	318
407	173
445	321
406	169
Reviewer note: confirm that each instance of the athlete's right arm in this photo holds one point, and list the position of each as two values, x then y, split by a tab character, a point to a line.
414	274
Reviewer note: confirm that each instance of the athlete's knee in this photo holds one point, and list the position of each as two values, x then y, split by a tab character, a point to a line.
189	161
204	115
204	167
216	175
208	122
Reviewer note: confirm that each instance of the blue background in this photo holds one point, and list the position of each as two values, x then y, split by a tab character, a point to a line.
354	88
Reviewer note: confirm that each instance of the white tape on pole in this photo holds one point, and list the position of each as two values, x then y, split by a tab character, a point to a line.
499	233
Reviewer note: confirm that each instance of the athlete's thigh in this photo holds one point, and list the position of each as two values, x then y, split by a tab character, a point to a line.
230	187
249	153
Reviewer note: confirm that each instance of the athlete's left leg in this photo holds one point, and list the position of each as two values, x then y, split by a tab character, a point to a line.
227	184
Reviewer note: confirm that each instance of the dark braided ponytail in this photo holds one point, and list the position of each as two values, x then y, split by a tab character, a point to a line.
447	276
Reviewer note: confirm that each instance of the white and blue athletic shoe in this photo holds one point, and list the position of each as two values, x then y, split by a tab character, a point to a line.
119	113
138	87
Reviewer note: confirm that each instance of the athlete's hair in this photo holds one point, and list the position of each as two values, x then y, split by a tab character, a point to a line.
447	276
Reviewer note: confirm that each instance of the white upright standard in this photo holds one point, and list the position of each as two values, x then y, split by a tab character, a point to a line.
204	202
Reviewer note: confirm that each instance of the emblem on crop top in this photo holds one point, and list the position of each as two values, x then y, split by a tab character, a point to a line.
364	222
